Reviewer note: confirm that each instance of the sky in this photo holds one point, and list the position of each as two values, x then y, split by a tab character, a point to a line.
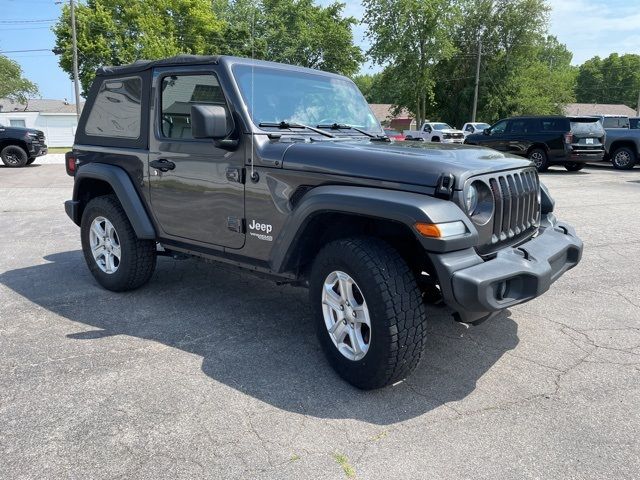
587	27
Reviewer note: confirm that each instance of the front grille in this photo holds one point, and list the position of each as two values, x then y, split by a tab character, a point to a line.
517	209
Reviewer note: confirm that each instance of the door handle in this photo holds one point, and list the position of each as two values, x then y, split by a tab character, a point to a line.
162	165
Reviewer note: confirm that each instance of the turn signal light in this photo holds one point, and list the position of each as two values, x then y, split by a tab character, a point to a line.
441	230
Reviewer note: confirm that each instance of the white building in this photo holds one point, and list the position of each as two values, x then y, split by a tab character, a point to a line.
56	118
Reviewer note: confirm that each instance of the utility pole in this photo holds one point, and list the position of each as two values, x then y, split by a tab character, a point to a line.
638	109
75	56
475	93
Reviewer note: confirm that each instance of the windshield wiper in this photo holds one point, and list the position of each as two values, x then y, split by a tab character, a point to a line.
342	126
284	125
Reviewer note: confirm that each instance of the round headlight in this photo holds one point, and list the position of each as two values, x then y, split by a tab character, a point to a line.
471	198
479	202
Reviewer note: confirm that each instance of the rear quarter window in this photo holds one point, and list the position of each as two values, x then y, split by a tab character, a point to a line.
116	111
634	123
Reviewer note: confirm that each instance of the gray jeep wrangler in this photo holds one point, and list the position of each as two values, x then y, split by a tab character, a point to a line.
286	172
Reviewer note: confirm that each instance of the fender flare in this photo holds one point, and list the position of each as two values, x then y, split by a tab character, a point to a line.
124	189
403	207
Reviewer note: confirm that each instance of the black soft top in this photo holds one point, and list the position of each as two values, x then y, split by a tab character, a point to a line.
141	65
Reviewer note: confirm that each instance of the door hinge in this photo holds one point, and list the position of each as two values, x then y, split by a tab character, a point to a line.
235	175
235	224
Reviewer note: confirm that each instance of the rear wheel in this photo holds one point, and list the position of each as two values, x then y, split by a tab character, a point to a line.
574	167
623	158
539	158
370	318
116	257
14	156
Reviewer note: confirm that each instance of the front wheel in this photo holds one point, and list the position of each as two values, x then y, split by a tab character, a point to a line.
370	318
116	257
623	158
574	167
14	156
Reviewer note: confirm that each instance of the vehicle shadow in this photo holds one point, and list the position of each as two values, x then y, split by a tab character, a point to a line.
258	337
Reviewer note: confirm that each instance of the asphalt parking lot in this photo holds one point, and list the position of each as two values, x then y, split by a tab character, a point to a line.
208	372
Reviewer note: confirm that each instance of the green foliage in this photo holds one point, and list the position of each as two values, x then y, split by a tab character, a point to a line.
13	85
376	88
115	32
523	71
410	36
615	79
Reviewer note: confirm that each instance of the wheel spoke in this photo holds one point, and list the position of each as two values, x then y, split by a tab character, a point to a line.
98	231
332	299
343	281
361	315
355	343
339	331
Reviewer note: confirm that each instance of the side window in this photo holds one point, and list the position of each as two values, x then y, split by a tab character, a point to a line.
518	126
179	92
116	110
555	125
469	128
499	128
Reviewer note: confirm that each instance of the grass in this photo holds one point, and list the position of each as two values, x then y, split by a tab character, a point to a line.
347	468
60	149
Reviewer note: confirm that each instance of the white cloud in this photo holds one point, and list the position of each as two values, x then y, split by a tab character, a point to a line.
596	27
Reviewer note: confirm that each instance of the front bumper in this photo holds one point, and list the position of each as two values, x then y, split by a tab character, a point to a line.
476	288
38	150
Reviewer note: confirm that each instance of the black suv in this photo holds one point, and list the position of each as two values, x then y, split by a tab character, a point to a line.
546	140
286	172
20	146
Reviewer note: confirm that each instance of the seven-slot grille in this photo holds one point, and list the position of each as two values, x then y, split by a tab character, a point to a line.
517	209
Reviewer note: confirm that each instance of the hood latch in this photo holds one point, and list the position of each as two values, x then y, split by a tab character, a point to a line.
445	186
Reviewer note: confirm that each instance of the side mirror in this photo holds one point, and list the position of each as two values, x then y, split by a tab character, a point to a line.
487	131
209	121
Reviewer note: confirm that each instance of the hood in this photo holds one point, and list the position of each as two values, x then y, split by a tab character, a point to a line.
418	163
19	131
450	130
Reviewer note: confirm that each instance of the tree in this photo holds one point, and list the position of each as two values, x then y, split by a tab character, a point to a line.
115	32
376	87
298	32
523	71
13	85
615	79
409	36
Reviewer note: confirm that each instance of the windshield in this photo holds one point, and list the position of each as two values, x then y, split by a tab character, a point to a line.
277	95
441	126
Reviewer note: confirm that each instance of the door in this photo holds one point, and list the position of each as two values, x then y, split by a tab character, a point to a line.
497	136
196	188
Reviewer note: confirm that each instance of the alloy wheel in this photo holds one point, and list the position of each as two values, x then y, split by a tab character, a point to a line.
105	245
346	315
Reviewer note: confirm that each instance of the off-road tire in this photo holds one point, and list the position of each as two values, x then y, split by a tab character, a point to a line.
540	158
435	139
574	167
138	257
397	312
14	156
623	153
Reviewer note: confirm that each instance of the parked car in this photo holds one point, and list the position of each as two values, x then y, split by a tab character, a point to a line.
474	127
226	159
394	134
435	132
545	140
634	123
20	146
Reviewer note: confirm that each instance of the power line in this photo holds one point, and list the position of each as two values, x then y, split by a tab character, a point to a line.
29	50
48	20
